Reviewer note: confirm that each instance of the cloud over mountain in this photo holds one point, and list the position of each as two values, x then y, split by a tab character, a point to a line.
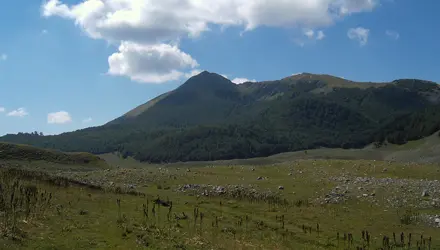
147	31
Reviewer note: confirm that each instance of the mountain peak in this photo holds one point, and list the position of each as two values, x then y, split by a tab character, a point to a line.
206	80
206	73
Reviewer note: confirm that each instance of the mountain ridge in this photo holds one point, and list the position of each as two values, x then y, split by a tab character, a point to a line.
297	78
210	118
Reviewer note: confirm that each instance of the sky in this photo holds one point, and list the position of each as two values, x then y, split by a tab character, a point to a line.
71	64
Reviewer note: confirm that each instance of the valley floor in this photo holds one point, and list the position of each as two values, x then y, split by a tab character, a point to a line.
297	204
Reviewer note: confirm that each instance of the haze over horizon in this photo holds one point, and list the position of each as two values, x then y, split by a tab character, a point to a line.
70	64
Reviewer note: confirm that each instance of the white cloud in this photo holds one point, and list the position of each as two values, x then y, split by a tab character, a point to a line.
150	63
392	34
356	6
320	35
239	80
359	34
20	112
157	26
3	57
311	34
60	117
2	109
158	21
87	120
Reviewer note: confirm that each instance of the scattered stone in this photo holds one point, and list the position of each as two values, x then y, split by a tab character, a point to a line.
260	178
281	187
232	191
425	193
220	189
398	191
335	197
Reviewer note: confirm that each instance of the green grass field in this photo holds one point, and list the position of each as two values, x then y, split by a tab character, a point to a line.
288	201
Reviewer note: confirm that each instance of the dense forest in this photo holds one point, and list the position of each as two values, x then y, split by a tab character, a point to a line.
211	118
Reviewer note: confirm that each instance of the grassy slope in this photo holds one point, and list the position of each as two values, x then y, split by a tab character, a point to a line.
28	153
144	107
335	82
426	150
98	228
63	226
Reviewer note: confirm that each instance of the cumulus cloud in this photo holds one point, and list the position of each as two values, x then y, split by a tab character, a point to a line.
20	112
60	117
239	80
158	21
2	109
359	34
87	120
3	57
150	63
154	26
392	34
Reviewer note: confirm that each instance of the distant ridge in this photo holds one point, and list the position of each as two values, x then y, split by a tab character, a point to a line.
28	153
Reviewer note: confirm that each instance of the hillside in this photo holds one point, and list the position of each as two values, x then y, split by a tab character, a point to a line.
28	153
211	118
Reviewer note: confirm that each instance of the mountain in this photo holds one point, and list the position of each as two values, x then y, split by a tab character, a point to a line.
216	94
210	118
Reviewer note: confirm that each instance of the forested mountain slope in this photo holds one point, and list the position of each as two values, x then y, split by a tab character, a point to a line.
211	118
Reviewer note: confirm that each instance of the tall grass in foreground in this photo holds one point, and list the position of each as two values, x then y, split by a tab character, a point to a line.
20	203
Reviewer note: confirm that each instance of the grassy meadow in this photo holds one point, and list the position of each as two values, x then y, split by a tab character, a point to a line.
280	202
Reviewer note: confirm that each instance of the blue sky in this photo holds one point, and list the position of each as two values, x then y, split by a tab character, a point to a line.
70	64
